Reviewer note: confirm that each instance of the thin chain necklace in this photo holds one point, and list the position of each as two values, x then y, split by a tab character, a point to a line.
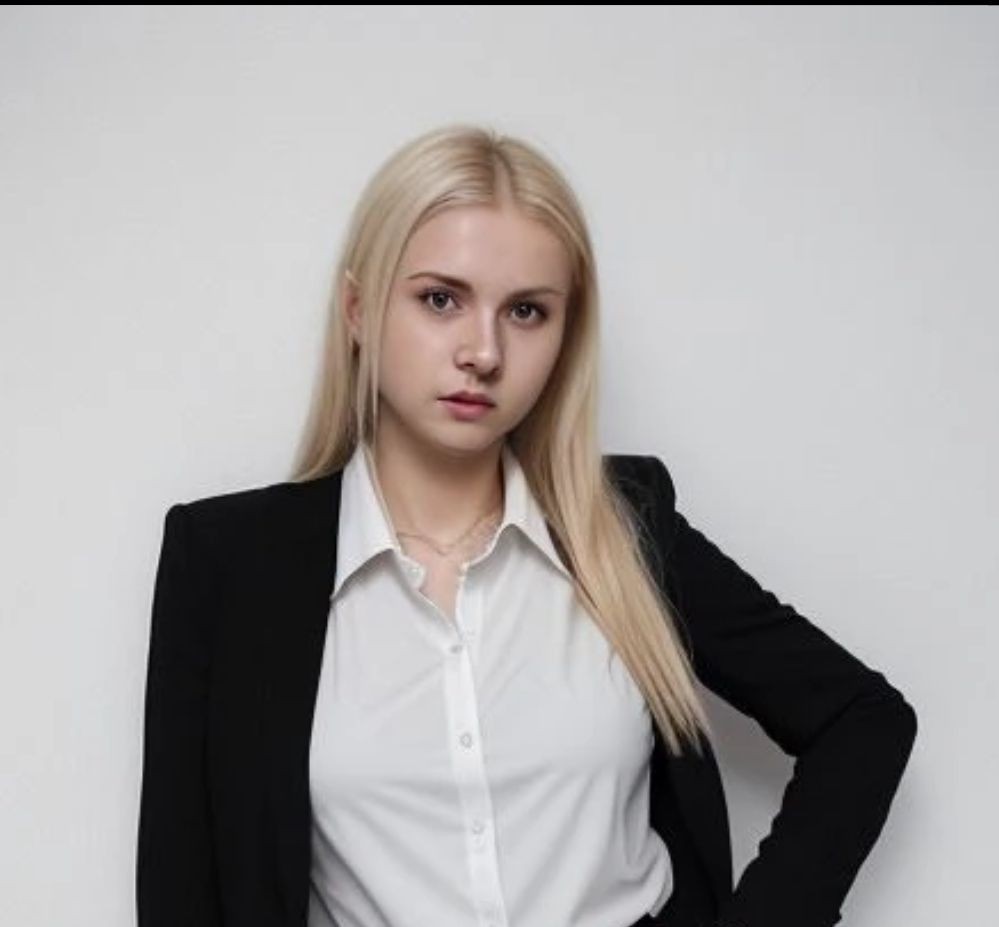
445	549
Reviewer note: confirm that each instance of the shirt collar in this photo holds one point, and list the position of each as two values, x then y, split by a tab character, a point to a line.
365	528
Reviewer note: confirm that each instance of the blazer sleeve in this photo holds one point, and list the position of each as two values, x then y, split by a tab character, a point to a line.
175	869
850	731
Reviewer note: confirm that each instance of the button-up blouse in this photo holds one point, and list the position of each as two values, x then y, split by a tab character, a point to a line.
490	770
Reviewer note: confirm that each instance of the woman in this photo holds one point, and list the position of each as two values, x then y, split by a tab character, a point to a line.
445	674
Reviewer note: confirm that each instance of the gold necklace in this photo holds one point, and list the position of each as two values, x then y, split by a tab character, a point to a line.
445	549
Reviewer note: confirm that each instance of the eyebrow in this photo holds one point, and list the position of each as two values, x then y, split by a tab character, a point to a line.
465	287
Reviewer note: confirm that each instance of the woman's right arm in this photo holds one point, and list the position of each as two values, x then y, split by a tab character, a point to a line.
176	883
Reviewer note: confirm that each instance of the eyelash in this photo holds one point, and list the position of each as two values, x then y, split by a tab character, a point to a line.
541	312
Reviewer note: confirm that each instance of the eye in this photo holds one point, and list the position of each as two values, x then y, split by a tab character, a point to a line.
435	294
541	314
432	293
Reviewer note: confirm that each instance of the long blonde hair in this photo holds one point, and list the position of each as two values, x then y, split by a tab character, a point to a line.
595	529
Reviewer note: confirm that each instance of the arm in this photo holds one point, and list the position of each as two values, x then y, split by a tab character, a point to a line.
175	871
849	730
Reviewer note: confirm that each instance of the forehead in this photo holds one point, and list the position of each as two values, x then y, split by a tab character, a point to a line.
487	241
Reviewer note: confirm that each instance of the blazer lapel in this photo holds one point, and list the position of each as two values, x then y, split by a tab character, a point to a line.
302	565
698	788
695	781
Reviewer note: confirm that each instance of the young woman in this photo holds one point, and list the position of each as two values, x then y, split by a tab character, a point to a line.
444	676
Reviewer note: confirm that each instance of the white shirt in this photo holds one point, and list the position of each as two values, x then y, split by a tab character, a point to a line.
491	771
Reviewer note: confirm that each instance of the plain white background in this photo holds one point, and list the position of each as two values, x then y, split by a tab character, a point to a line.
795	215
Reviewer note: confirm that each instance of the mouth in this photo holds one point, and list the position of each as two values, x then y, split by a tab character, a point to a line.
469	400
466	410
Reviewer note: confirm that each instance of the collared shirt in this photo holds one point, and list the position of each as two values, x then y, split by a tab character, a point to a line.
486	771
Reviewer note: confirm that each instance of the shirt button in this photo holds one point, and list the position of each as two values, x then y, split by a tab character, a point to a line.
466	740
456	648
478	827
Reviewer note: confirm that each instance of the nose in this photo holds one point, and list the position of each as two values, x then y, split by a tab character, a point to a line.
481	348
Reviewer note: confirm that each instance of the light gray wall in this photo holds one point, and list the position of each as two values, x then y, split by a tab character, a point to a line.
795	212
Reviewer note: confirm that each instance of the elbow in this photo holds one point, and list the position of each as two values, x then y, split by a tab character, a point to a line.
897	724
907	721
889	720
904	727
898	713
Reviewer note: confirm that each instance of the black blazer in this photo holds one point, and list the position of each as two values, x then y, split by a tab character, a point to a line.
238	625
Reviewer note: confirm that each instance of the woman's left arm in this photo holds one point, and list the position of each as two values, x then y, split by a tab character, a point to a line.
851	732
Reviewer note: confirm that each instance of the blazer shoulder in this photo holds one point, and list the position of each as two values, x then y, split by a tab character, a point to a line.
645	483
244	512
642	475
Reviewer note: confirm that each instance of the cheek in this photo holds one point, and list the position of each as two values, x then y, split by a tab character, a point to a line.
535	366
405	330
408	355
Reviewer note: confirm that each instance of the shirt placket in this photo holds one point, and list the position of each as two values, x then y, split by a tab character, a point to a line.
458	641
468	757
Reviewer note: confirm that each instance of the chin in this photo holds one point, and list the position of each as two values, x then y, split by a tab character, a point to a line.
472	444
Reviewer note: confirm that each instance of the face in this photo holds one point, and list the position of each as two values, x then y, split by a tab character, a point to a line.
495	326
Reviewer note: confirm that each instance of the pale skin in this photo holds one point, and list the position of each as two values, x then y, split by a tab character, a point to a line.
437	473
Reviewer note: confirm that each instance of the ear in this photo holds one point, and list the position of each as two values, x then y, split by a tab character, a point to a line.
351	303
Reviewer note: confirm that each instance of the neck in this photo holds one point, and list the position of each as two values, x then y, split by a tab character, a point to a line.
437	494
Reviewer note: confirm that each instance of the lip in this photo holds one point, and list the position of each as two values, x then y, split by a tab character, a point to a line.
466	411
465	395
